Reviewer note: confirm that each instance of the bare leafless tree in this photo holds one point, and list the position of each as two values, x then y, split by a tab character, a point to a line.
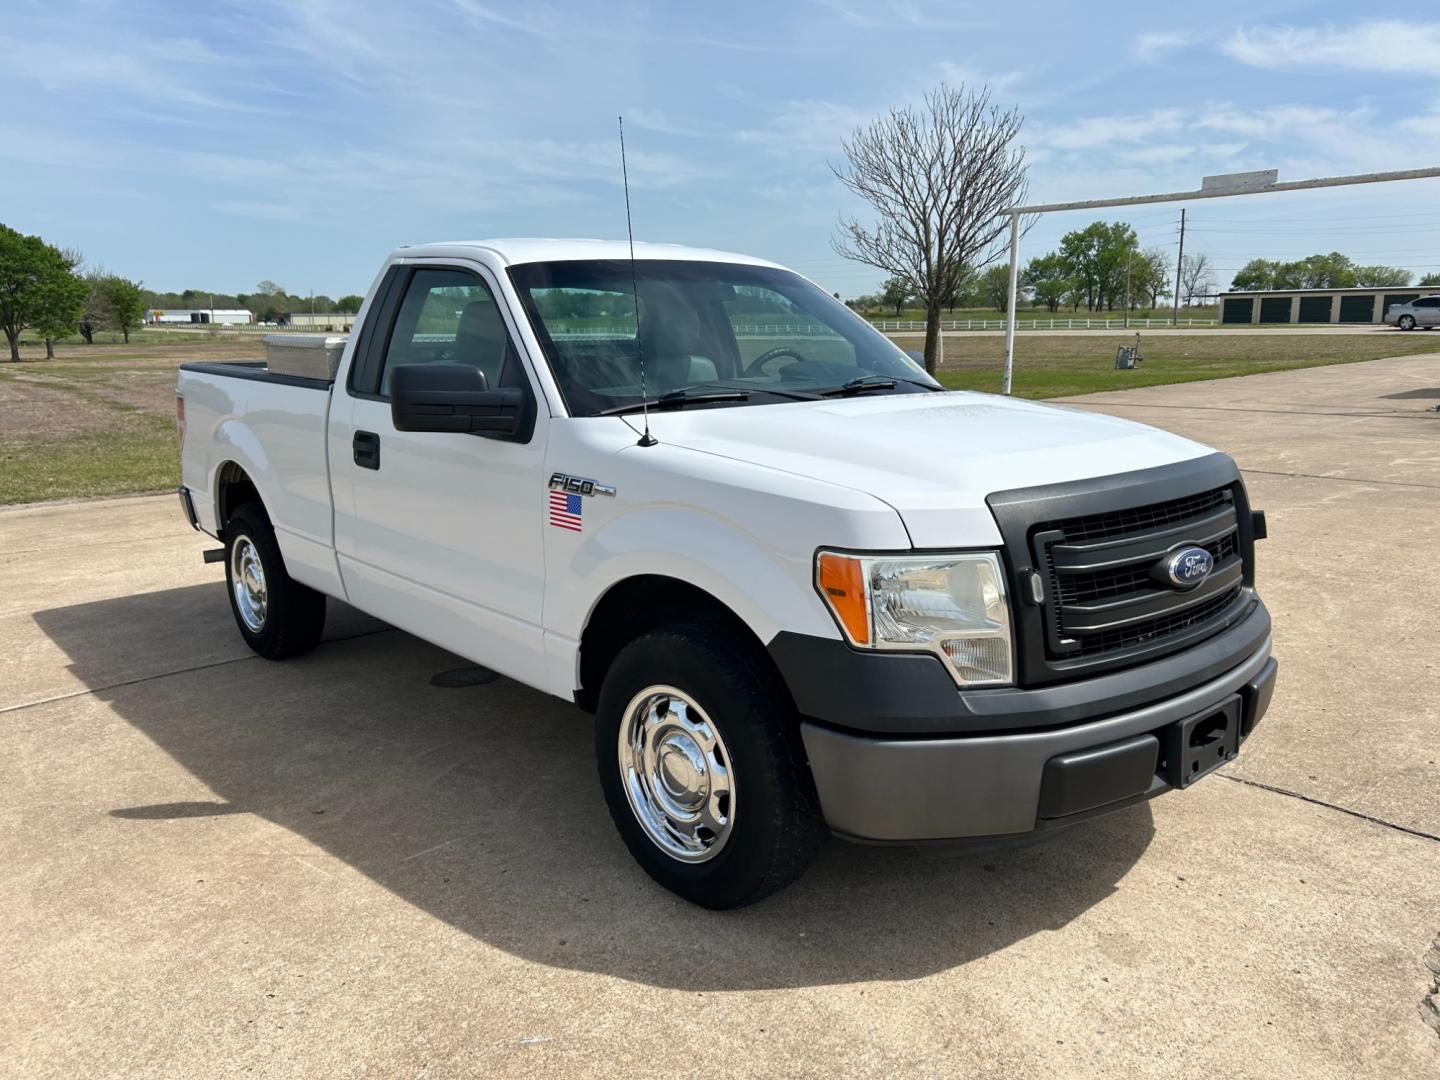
938	178
1197	277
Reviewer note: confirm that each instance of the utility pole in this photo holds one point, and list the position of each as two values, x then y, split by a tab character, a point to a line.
1127	289
1179	266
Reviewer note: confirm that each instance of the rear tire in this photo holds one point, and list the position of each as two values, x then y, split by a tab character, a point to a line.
1406	322
702	767
277	616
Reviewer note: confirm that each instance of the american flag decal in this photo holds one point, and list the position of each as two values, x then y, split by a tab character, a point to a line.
565	511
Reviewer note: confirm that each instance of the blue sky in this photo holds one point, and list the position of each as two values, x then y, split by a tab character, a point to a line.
213	145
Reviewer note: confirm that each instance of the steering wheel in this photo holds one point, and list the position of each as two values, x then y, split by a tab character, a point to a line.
753	368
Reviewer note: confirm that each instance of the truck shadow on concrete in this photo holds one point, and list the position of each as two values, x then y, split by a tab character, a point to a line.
479	805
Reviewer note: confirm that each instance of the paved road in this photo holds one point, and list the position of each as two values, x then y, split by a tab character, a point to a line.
1180	331
214	866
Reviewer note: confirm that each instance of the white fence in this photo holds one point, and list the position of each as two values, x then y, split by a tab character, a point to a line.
1069	323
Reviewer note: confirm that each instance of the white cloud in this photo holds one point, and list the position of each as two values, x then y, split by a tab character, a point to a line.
661	123
809	126
259	211
1091	132
1410	47
1166	154
956	74
1153	47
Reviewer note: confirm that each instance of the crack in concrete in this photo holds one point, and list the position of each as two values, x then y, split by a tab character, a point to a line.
1396	414
1334	806
1342	479
1430	1003
167	674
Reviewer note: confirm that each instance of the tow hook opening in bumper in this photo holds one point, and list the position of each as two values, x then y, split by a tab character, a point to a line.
1174	756
1004	786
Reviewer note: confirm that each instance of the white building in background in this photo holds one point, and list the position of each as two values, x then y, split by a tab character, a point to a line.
337	321
186	316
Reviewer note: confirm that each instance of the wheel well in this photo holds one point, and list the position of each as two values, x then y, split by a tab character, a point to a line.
233	489
636	606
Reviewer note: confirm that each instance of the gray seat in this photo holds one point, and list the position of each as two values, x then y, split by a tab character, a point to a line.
673	348
481	340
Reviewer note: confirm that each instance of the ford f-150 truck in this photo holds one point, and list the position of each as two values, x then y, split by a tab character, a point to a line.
803	588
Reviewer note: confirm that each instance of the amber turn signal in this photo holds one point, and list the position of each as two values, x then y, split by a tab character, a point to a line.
842	584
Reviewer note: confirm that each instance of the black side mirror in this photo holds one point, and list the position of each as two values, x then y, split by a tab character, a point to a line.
452	397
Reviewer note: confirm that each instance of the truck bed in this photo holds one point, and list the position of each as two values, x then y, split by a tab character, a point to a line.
252	369
273	427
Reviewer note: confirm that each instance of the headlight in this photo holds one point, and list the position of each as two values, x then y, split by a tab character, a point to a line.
952	605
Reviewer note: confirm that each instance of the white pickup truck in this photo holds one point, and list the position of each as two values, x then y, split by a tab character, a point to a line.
803	588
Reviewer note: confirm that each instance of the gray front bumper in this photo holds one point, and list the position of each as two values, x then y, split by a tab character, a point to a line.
986	785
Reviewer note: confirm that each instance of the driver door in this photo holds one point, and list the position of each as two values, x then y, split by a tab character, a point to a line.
440	532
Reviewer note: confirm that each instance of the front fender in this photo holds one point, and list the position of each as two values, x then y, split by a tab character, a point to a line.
768	589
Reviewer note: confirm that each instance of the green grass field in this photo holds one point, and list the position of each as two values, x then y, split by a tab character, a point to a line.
1059	365
1025	314
99	420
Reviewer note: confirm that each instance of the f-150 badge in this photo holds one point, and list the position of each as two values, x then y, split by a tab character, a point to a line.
577	485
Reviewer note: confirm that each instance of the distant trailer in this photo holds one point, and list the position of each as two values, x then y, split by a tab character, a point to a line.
203	316
1363	305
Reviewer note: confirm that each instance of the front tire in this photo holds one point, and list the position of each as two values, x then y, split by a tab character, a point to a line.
277	616
1406	322
702	767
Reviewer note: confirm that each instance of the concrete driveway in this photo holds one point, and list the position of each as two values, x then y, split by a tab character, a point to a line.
211	865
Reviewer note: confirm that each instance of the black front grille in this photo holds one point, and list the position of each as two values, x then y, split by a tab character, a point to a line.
1106	596
1140	518
1096	549
1107	584
1160	628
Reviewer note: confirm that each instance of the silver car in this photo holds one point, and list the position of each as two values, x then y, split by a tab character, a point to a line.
1424	312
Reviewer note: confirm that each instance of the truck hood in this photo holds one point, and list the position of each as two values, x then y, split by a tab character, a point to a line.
933	457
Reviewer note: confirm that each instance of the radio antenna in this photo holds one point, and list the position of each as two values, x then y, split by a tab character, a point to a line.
647	439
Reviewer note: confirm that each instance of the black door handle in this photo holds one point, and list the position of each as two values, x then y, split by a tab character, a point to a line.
367	449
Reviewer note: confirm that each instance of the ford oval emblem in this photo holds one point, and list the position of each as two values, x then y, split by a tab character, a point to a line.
1187	567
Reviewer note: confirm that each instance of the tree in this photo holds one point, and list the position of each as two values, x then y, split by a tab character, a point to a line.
994	286
1381	276
1095	258
1197	276
895	292
92	317
269	288
1150	275
38	287
938	179
1256	274
1432	278
1333	271
1048	279
61	303
123	302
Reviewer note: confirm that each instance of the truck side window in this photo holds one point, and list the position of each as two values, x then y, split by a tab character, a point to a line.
451	317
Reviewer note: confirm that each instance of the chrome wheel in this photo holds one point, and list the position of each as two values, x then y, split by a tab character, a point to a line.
676	772
247	583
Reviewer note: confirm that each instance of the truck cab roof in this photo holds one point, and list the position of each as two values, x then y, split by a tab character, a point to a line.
512	250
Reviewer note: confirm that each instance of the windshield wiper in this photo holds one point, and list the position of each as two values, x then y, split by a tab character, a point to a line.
872	382
677	399
723	392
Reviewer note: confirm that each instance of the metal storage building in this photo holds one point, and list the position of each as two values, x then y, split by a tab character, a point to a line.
1363	305
182	316
333	321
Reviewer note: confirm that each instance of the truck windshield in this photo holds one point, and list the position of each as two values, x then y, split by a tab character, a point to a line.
707	325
